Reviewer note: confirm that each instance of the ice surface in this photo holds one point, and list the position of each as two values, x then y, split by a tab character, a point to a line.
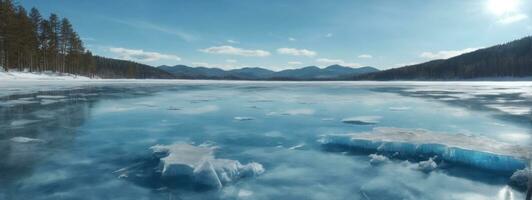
26	140
23	122
302	111
399	108
476	151
200	164
243	118
362	120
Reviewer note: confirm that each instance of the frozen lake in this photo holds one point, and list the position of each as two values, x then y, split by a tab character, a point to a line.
263	140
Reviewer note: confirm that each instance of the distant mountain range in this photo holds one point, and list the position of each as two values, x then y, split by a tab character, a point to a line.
513	59
333	72
510	60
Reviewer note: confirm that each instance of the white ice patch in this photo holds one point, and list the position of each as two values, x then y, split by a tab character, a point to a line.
378	159
50	97
476	151
22	122
399	108
26	140
362	120
244	193
243	118
200	164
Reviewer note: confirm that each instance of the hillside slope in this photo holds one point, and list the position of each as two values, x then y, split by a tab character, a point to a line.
513	59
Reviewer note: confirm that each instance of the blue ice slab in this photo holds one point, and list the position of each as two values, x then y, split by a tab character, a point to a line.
474	151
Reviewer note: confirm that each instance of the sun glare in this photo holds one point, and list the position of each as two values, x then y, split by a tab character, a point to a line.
502	7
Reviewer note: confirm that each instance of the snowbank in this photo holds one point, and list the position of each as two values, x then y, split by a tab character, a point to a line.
474	151
199	164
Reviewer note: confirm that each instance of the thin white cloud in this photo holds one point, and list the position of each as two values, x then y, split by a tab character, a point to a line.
512	18
291	39
224	65
156	27
296	52
201	64
231	61
337	61
233	41
295	63
329	35
141	55
230	50
446	53
365	56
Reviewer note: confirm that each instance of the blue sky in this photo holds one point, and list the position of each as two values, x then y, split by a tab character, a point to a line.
282	34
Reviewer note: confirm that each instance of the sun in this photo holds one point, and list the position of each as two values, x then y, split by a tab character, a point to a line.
502	7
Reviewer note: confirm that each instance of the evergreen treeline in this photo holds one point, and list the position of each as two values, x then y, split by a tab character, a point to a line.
29	41
114	68
513	59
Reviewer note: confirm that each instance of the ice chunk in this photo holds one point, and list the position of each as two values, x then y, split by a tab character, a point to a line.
243	118
362	120
475	151
26	140
200	164
377	159
427	165
521	178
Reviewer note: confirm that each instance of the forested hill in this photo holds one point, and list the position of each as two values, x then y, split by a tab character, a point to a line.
114	68
513	59
28	41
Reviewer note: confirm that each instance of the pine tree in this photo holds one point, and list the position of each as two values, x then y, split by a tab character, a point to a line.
36	19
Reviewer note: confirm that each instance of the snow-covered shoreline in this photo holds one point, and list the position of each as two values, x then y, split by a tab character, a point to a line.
33	76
